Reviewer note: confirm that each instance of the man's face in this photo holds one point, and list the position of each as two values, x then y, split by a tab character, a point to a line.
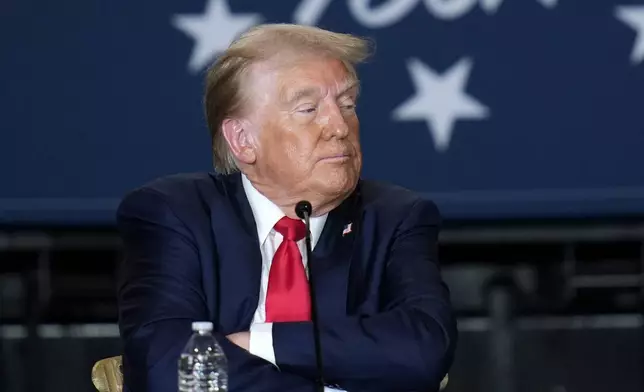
306	128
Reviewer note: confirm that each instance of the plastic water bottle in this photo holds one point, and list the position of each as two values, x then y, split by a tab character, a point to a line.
203	366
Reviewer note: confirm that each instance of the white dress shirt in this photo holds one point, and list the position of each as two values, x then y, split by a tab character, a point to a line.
266	215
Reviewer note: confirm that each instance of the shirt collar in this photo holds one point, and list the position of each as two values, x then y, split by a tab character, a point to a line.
267	214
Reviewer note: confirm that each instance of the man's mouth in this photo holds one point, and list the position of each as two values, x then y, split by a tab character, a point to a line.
335	158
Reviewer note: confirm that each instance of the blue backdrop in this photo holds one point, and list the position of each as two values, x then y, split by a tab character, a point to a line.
493	108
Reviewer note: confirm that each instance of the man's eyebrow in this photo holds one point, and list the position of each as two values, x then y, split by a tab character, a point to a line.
291	96
350	84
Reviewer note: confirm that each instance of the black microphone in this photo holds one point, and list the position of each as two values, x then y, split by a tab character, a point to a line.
303	210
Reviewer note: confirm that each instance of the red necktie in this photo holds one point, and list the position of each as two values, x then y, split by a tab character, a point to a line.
287	298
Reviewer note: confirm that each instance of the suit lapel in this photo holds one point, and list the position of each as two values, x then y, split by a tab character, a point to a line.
331	258
240	259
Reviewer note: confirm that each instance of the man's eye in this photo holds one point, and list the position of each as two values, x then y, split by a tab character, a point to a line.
306	110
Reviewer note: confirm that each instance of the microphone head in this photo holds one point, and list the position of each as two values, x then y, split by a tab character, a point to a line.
303	208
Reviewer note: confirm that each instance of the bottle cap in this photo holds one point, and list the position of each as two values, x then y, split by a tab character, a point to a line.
202	326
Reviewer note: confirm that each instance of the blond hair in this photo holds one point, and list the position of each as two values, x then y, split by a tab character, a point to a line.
223	91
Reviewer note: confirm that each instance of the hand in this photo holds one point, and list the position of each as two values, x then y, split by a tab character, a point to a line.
242	339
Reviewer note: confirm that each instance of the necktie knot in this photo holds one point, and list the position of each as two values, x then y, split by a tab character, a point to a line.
291	229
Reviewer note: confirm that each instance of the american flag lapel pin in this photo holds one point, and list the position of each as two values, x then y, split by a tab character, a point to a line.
347	229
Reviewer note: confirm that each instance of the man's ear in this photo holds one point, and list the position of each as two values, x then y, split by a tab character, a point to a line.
240	140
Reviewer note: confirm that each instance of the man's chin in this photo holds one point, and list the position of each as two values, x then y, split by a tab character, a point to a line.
339	186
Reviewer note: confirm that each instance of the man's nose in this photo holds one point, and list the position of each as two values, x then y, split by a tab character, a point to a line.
337	125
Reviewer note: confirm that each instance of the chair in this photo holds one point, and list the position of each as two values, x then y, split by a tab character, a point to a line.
444	382
108	377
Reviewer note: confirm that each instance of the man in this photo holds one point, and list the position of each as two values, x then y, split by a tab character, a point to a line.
229	247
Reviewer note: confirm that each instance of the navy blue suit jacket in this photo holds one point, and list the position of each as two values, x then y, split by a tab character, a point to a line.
192	253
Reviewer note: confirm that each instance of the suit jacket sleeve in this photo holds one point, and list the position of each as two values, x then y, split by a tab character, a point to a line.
160	296
409	345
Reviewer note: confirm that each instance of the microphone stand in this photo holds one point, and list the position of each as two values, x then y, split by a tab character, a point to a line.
303	210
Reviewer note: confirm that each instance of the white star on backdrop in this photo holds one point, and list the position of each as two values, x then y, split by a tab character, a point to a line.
633	16
212	31
440	100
